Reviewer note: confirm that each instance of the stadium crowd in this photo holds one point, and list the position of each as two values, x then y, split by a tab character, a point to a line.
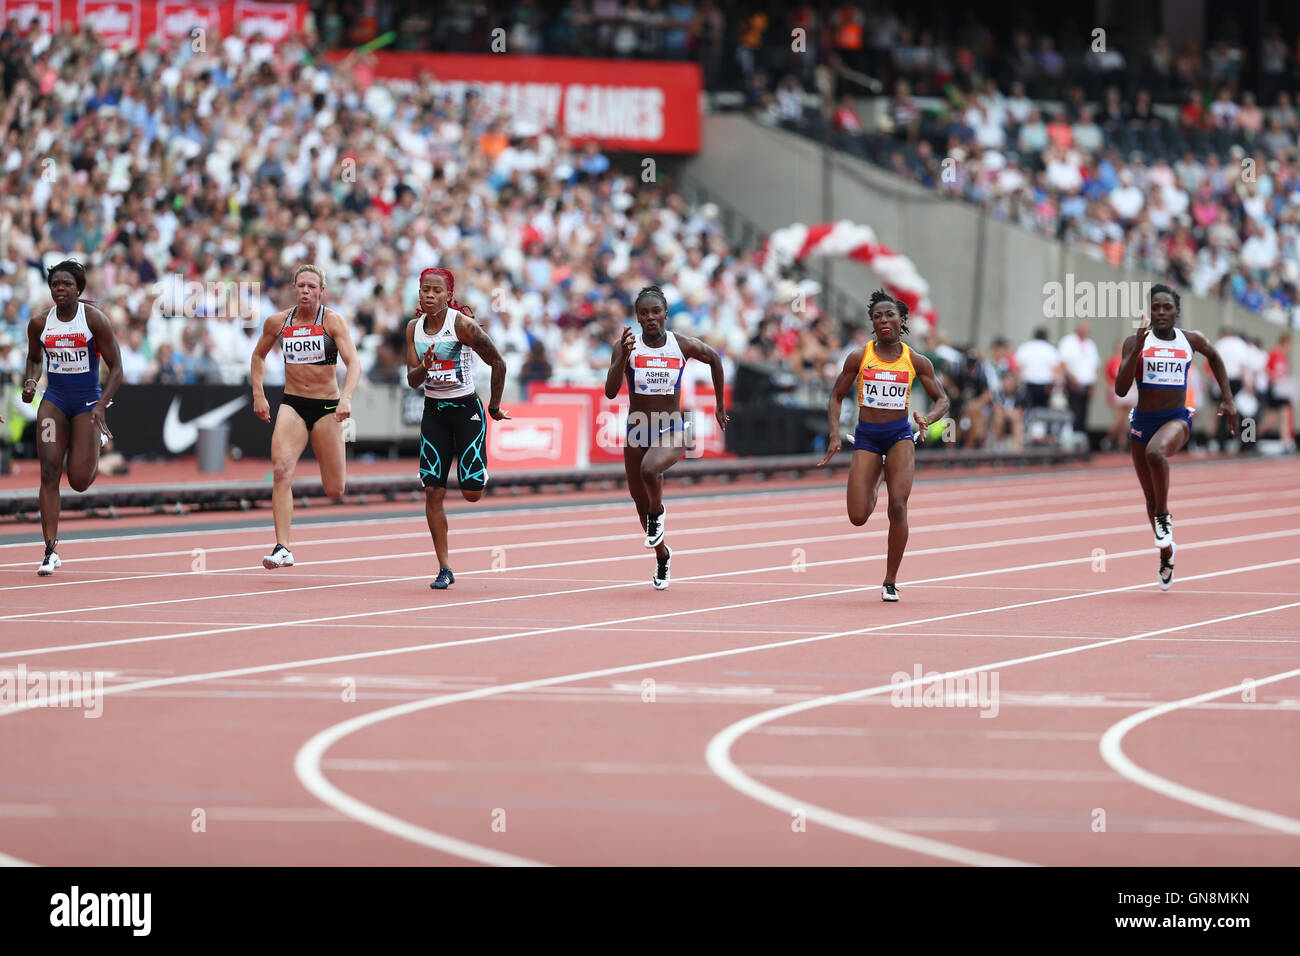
192	184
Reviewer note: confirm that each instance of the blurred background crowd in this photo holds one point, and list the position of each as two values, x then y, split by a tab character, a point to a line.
205	179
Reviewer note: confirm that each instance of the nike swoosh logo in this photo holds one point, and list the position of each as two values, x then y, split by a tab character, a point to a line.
330	408
88	404
179	435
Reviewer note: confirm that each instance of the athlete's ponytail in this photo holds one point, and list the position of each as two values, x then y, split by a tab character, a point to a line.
450	280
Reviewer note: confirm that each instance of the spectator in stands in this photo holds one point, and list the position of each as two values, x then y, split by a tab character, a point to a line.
1080	362
1040	366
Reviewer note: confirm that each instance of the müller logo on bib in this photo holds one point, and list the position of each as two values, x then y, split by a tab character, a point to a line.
656	361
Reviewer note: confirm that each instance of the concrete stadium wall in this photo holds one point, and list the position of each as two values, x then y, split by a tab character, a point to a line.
775	179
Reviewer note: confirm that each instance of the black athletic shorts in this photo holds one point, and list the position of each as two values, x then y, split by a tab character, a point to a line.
453	428
311	410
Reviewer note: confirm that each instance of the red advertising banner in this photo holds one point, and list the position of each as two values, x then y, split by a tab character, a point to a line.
605	419
645	105
536	437
136	21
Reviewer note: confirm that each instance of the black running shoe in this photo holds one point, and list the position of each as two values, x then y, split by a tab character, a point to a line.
445	577
660	579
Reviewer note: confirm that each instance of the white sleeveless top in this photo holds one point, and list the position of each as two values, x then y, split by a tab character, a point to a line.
1165	362
656	371
70	348
452	375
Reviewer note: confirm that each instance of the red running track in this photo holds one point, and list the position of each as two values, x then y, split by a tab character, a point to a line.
552	708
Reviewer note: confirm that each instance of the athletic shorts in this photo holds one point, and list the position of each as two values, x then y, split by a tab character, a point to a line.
1142	426
677	430
879	437
72	401
311	410
453	428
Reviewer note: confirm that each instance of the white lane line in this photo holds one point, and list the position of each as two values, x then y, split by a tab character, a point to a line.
424	608
718	752
966	485
1217	501
1112	751
461	527
7	860
1217	518
306	759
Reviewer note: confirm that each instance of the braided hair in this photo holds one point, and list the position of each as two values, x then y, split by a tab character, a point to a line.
879	296
450	281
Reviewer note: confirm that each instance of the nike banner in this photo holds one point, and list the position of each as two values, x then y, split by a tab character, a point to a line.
163	421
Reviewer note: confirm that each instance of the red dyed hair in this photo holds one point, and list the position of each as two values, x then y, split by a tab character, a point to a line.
450	280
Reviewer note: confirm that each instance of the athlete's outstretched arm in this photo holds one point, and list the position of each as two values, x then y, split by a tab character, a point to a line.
1131	356
930	382
472	334
106	342
35	360
338	330
270	332
695	349
618	363
1227	404
417	369
839	392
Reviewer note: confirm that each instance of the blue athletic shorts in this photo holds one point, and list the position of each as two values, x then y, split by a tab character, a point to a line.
1142	426
879	437
72	401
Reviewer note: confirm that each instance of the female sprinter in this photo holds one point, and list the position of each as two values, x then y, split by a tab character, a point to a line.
658	433
1161	423
313	338
69	341
454	424
884	370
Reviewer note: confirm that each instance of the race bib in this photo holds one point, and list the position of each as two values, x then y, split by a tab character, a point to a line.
1165	367
442	372
67	354
656	374
882	388
304	345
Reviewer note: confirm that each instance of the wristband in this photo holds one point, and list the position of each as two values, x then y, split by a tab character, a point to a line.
494	409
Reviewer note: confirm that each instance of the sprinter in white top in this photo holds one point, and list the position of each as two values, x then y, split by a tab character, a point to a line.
1158	358
658	431
441	342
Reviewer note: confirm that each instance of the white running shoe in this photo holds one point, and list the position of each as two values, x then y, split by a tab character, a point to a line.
1166	577
888	592
660	579
654	528
281	557
1164	531
49	565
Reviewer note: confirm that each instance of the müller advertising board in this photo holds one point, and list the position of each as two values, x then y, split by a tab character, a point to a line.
117	22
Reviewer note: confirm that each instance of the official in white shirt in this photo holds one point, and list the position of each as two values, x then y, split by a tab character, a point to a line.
1081	360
